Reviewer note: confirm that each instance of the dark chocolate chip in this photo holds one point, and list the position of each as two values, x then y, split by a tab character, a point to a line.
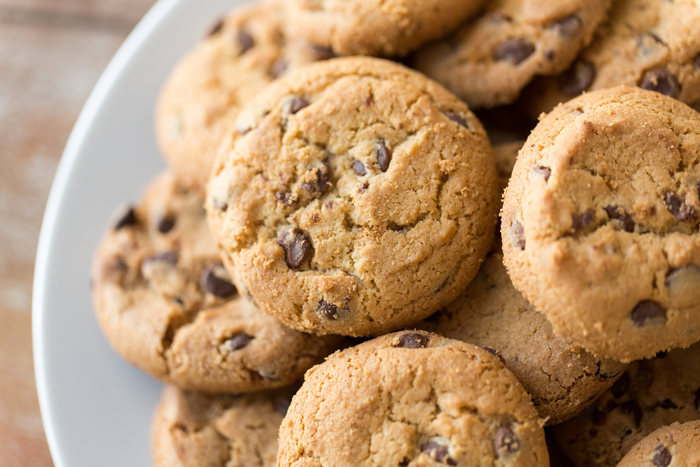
458	118
584	220
568	26
383	155
359	167
576	79
438	452
647	310
327	310
363	187
662	81
495	354
296	246
621	386
320	183
517	235
245	41
633	409
219	205
278	67
216	285
662	457
667	404
412	340
618	213
236	342
166	224
128	219
678	208
549	55
542	171
216	28
514	51
506	441
295	104
166	257
648	43
287	198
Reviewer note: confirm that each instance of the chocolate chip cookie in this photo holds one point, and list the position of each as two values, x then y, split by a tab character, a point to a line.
677	444
167	305
375	27
488	61
412	399
360	198
561	378
192	429
654	44
649	395
600	222
201	98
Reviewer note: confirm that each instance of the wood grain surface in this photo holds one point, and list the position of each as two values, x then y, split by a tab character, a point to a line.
51	54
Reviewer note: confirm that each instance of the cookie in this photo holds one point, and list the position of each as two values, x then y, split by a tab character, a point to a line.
561	378
654	44
649	395
676	443
412	399
361	198
488	61
167	305
202	96
379	28
600	222
192	429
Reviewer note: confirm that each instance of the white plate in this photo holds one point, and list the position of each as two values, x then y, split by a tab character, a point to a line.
96	408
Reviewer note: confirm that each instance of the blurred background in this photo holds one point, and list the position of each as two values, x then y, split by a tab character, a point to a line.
51	54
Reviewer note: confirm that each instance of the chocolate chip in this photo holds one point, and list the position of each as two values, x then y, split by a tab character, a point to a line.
412	340
359	167
438	452
662	457
216	28
506	441
647	310
219	205
648	43
383	155
322	53
296	246
295	104
245	41
577	79
236	342
621	386
618	213
514	51
128	219
166	224
278	67
495	354
289	199
678	208
667	404
166	257
567	26
517	235
327	310
363	187
319	180
215	284
662	81
632	409
584	220
458	118
542	171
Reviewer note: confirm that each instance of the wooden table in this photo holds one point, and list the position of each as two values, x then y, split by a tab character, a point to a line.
51	54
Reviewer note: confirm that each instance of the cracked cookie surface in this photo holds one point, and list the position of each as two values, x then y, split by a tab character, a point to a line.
412	398
650	394
192	429
488	61
167	305
376	27
561	378
600	222
361	198
203	94
677	444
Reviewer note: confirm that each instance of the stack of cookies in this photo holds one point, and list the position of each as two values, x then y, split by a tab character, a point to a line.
321	276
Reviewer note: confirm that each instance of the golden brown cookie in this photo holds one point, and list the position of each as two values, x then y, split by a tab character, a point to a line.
412	399
600	222
676	445
361	198
167	305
